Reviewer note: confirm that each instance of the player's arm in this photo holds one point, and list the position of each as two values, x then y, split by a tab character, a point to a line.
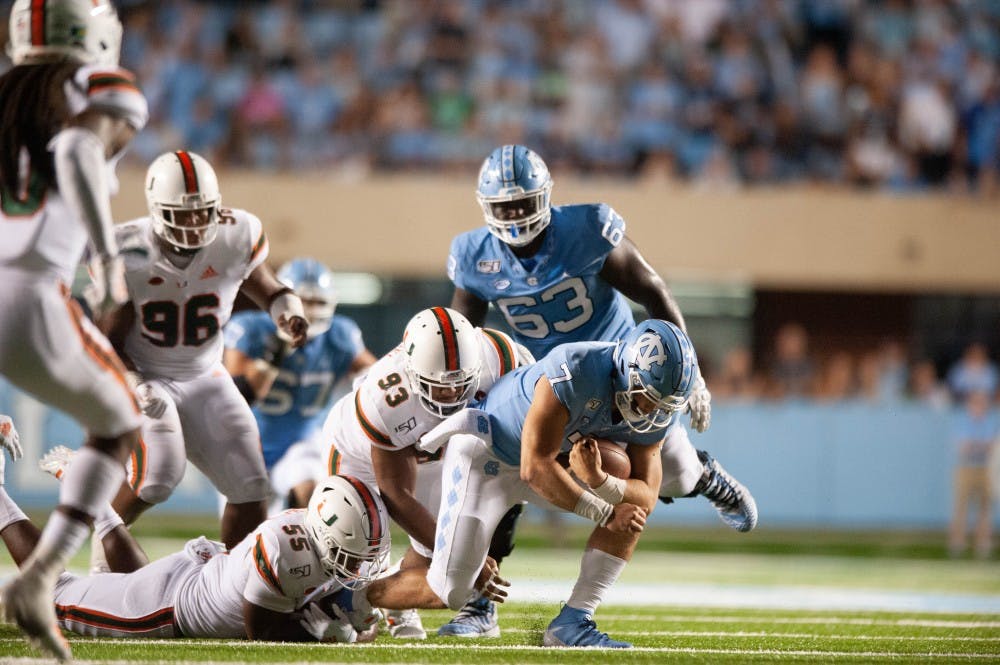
470	306
641	488
628	271
396	475
116	325
362	362
285	308
263	624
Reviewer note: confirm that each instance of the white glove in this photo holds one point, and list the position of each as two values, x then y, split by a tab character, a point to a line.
354	606
9	438
325	628
107	287
700	406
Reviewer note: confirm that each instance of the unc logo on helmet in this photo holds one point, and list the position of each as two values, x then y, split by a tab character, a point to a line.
514	191
655	374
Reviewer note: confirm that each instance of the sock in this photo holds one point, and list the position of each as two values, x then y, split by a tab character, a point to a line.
60	539
105	521
10	512
91	481
598	571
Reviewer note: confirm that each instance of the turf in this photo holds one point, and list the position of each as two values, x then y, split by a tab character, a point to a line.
660	635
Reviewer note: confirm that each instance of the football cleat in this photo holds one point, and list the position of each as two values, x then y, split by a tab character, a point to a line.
56	461
476	619
405	624
576	628
27	601
733	501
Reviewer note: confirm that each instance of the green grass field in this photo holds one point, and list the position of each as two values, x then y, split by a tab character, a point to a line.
771	596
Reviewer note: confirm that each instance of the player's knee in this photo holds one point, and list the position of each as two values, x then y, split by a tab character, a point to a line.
253	490
453	590
155	492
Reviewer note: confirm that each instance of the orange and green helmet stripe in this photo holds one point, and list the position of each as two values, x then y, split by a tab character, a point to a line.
452	361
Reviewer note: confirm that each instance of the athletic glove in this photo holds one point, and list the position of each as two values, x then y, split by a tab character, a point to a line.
325	628
700	406
9	438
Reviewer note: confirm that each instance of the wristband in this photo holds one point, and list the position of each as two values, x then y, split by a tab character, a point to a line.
594	508
611	490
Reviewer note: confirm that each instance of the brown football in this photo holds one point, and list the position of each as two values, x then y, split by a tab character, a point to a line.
614	459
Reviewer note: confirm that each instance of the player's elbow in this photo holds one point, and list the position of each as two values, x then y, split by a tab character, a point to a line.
532	469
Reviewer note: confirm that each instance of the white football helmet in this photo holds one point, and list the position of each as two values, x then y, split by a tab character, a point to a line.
442	359
87	31
182	192
349	527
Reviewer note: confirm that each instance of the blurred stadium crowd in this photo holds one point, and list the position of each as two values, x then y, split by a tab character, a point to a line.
794	371
901	95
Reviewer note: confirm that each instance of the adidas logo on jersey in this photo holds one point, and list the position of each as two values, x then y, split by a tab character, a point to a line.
209	273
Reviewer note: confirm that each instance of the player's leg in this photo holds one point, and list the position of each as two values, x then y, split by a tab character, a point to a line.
294	475
688	472
120	552
157	462
18	533
224	443
603	561
49	349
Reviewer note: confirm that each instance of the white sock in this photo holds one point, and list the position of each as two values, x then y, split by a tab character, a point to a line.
92	480
60	539
105	521
598	571
10	512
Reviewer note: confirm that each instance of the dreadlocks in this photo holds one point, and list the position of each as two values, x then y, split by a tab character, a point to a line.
33	109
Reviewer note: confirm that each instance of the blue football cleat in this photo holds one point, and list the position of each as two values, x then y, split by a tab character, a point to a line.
576	628
476	619
733	501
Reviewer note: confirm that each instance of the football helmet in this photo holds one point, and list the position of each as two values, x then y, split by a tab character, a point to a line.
87	31
182	193
514	191
442	359
655	373
349	527
313	282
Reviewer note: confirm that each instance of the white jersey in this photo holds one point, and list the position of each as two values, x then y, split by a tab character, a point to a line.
275	567
180	312
41	233
382	411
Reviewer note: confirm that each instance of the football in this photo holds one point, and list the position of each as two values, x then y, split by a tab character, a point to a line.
614	458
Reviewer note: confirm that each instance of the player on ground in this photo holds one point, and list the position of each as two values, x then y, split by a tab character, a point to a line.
267	588
184	265
440	366
504	450
67	112
291	392
561	274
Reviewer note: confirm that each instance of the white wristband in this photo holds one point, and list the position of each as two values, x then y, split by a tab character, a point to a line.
611	490
593	508
288	305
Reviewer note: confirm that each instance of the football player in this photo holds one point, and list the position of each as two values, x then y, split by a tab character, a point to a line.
562	274
67	113
291	393
441	365
269	587
504	450
184	265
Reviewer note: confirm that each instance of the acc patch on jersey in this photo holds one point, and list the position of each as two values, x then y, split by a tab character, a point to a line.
488	266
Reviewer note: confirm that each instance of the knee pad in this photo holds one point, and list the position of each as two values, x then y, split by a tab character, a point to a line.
155	492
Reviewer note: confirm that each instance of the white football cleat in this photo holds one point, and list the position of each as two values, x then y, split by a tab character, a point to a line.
27	602
405	624
57	461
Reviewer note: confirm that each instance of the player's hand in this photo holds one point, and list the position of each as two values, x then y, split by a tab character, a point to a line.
585	462
325	628
355	606
627	518
700	406
107	288
295	328
10	440
490	584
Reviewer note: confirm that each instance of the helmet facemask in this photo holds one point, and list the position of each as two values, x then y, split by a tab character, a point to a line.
517	217
643	408
443	393
191	226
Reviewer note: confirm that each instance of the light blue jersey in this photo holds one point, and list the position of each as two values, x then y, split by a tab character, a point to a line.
298	401
580	375
557	295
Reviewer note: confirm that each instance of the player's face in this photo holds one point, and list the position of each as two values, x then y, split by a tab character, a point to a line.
511	211
447	394
644	404
190	227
